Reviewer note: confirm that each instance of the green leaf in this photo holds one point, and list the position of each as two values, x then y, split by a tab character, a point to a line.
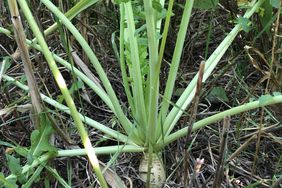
14	164
243	4
60	99
22	151
157	5
275	3
11	183
245	23
161	15
266	16
205	4
139	31
23	79
40	138
76	86
7	144
264	99
15	167
217	95
143	54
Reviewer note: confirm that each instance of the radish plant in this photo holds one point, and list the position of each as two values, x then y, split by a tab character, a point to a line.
149	127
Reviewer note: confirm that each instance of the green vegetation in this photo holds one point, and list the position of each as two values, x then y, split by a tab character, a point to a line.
148	120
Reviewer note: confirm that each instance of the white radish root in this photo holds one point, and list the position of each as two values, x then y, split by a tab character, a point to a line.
158	177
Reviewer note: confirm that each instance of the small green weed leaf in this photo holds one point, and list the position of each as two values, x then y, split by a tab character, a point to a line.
11	183
7	144
139	31
2	178
245	23
15	167
22	179
114	44
23	79
266	16
205	4
14	164
76	86
217	95
47	183
162	15
275	3
243	4
22	151
142	41
60	98
157	6
40	138
241	69
264	99
143	55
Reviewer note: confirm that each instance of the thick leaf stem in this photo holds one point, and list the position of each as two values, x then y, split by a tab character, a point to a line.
127	125
212	119
185	99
